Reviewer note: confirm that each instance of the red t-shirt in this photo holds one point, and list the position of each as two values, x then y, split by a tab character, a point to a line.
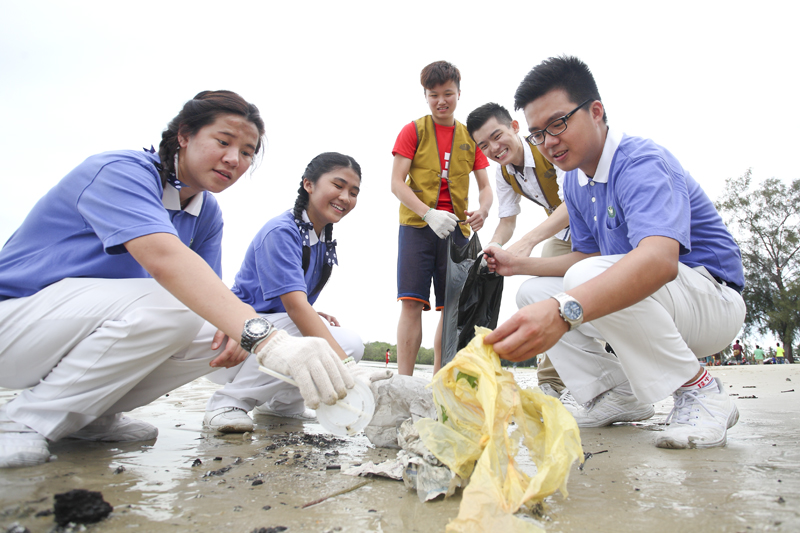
406	145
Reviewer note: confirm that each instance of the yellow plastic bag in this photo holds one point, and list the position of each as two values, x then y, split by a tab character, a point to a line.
476	401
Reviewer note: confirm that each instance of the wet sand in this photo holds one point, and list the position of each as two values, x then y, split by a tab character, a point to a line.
752	484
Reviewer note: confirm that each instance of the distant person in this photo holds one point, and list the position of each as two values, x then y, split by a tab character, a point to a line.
105	285
433	158
285	268
387	357
737	352
523	172
654	271
779	354
758	355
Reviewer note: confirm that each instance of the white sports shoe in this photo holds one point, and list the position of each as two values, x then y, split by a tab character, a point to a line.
568	401
20	445
700	418
611	407
307	414
549	390
116	428
228	420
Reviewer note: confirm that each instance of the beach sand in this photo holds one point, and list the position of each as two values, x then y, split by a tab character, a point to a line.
752	484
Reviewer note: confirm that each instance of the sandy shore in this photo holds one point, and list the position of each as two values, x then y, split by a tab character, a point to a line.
753	484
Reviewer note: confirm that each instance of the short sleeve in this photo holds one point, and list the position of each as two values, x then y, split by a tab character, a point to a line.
279	262
123	202
480	160
406	143
507	198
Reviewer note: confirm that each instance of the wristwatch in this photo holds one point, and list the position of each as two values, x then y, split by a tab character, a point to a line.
570	309
255	330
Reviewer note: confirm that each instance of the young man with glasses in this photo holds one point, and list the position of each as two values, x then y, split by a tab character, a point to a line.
523	172
654	270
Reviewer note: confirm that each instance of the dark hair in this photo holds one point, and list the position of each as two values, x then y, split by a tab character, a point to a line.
481	116
201	111
567	73
439	72
322	164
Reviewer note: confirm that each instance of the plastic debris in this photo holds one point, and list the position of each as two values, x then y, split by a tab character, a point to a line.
476	401
397	399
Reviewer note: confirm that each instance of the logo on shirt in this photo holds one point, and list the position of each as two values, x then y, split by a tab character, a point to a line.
465	147
612	212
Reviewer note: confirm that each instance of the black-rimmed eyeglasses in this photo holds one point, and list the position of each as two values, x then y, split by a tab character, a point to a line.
555	128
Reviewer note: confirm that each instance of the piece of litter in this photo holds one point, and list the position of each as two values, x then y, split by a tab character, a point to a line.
753	397
790	390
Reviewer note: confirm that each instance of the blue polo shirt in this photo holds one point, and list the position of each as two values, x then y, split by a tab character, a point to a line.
640	190
79	228
273	265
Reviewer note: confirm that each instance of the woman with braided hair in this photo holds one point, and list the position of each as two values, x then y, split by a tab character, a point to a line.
105	285
284	269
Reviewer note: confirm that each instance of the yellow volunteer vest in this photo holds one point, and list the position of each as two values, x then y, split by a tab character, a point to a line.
545	176
425	174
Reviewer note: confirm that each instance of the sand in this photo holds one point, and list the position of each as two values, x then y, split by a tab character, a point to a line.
752	484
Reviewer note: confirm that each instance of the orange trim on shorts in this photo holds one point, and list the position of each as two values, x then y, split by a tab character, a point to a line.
426	306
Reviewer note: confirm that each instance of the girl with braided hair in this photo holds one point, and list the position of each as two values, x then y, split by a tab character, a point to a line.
105	285
284	269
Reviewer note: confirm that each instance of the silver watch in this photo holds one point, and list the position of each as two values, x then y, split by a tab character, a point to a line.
255	330
570	309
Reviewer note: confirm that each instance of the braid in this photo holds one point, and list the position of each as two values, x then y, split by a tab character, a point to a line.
301	203
326	268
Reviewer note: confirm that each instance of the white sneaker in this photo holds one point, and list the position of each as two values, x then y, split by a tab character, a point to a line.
20	445
116	428
228	420
568	401
700	418
549	390
611	407
307	414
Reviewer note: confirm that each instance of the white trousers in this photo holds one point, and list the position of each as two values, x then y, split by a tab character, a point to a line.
85	348
246	386
657	341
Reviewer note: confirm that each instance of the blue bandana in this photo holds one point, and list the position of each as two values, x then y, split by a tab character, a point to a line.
172	179
330	247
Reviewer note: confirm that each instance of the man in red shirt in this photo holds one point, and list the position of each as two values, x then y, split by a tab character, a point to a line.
433	157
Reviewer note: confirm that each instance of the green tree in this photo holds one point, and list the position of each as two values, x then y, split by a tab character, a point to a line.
766	223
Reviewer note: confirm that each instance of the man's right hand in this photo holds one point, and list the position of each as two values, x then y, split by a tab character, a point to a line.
441	222
499	261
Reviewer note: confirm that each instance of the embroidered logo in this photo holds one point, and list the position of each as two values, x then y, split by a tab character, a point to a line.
612	212
464	147
550	173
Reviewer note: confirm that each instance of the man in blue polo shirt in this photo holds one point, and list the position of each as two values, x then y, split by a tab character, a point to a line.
653	271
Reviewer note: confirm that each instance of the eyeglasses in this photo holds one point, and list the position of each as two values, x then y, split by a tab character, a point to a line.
555	128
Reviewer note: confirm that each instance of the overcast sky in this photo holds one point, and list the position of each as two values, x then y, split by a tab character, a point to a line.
714	82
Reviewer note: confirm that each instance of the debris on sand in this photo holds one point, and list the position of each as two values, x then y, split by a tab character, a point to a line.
81	507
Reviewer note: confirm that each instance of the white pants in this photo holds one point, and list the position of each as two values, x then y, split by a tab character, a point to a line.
246	386
85	348
657	341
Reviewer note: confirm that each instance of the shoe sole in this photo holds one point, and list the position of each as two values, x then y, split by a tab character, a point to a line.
230	428
634	416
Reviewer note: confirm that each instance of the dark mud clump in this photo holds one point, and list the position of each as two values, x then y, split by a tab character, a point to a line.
81	507
303	439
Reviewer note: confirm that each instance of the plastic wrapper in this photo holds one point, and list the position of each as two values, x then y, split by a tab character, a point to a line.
477	400
472	297
396	400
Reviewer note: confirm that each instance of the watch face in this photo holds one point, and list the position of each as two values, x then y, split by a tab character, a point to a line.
572	310
257	327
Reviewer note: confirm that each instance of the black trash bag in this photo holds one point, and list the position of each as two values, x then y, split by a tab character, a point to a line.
472	297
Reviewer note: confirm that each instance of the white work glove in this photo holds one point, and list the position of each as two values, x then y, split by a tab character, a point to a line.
441	222
483	257
318	371
365	374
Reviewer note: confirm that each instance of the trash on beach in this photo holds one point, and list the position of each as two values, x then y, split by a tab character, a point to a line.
476	401
346	417
415	465
396	400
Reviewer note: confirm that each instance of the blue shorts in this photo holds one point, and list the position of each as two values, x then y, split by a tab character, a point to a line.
422	256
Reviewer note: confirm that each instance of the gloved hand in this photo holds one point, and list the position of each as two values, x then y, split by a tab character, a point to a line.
366	374
318	371
441	222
